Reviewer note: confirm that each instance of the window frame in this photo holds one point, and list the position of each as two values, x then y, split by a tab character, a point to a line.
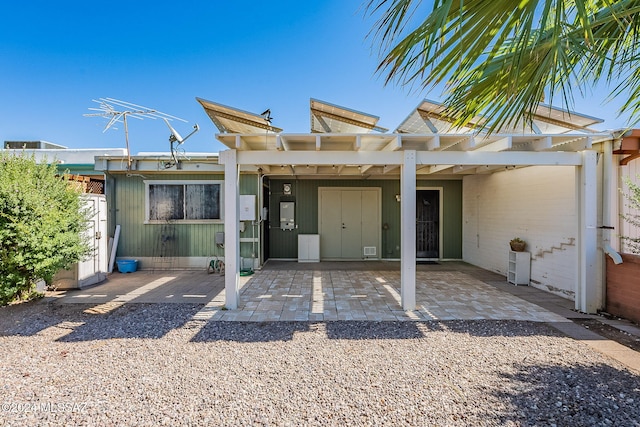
182	182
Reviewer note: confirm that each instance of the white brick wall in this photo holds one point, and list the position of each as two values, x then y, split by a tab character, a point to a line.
536	204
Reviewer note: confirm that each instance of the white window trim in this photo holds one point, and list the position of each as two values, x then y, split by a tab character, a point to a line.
148	182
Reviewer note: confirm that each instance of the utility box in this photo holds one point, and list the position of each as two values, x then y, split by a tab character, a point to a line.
308	248
248	207
287	215
219	238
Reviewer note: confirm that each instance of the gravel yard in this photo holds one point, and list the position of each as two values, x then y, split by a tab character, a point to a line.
152	364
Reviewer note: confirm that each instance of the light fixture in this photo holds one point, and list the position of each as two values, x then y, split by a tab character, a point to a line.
286	189
398	198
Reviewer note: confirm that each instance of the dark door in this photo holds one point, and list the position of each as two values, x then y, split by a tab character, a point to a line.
427	223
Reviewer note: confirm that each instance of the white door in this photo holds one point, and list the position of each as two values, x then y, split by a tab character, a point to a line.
351	235
349	221
330	224
93	269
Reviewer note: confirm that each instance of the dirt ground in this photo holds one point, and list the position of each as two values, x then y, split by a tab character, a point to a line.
609	332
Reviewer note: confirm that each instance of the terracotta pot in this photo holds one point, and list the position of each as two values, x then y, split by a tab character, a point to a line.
518	246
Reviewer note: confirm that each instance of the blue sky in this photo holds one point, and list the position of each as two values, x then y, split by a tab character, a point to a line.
58	56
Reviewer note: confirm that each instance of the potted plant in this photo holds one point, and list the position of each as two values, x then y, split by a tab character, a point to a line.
517	244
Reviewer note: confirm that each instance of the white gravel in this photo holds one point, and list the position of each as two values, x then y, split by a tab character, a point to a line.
151	364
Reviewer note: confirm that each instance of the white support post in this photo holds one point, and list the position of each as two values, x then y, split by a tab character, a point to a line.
608	204
408	231
588	297
231	229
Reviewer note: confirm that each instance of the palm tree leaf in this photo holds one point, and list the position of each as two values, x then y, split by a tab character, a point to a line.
500	58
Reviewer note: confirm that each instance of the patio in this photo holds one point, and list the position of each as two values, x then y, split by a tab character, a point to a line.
328	291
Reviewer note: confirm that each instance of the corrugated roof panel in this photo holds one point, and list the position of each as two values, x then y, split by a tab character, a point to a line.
428	118
331	118
233	120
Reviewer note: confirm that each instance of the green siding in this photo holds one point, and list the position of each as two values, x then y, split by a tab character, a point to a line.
127	204
283	244
126	201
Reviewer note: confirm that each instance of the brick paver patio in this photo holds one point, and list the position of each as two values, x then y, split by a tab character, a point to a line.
323	292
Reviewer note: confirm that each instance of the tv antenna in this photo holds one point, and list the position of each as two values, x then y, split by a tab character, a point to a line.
118	111
175	140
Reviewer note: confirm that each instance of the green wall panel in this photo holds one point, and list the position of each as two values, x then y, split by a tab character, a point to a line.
127	204
283	243
126	200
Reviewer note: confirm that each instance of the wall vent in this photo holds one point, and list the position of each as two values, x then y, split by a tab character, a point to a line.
369	251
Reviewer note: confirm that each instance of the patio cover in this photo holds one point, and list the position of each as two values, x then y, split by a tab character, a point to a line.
425	154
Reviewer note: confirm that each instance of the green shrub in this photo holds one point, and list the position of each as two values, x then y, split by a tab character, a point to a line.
633	199
42	220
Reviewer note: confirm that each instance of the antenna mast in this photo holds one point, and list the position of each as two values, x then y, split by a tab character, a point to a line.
117	111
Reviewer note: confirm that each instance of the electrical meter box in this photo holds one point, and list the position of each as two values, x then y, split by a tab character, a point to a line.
287	215
247	208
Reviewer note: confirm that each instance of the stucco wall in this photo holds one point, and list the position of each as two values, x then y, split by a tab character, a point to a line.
534	203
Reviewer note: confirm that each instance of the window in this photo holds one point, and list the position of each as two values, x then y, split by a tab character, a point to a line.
185	201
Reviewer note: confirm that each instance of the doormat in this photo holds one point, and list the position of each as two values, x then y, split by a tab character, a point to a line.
427	263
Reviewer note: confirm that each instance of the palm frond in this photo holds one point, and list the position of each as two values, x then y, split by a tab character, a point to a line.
499	58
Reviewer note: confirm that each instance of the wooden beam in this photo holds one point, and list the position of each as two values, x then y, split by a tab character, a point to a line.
346	120
394	145
381	158
430	114
500	145
217	113
625	161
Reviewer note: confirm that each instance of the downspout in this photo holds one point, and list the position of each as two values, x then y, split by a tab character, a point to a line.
605	228
607	193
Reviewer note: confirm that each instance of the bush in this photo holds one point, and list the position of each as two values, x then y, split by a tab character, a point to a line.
633	198
42	220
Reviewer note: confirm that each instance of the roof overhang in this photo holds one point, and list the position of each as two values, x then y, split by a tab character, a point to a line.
149	163
379	155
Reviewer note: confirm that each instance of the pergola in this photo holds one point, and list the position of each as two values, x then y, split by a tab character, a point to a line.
349	143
